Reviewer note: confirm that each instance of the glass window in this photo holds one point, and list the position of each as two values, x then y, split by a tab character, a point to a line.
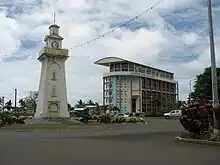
149	71
117	67
131	67
142	70
111	67
124	66
153	72
162	74
171	76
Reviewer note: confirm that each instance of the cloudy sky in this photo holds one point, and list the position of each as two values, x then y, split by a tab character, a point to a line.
172	36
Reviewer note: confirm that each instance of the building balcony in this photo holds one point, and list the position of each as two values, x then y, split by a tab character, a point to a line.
138	74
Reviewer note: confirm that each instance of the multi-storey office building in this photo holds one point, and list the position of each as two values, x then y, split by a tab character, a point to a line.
132	86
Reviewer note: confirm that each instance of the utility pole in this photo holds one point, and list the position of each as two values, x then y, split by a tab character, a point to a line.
213	68
15	101
3	102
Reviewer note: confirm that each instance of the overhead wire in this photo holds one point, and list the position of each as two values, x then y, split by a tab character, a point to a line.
118	27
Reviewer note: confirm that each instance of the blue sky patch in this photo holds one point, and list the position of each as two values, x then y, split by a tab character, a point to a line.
30	44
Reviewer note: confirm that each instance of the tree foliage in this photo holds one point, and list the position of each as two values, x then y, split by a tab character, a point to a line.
8	105
180	104
80	104
90	102
203	86
30	101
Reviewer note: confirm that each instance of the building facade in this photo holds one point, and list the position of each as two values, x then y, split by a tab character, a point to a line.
135	87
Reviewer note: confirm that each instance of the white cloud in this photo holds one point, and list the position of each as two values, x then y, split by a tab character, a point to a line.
82	20
190	39
9	41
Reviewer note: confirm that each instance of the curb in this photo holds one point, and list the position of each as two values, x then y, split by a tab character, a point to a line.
197	141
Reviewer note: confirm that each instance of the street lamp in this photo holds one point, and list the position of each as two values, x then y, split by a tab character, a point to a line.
190	89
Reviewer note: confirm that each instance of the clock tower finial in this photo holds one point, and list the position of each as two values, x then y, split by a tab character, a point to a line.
54	18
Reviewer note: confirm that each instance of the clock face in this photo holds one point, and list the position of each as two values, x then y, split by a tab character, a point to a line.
55	44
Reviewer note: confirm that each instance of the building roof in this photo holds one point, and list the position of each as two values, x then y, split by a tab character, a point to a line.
54	25
107	60
79	109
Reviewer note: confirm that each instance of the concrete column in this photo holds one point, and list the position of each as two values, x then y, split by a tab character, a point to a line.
103	82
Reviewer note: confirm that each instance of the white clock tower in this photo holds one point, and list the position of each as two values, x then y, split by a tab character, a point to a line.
52	97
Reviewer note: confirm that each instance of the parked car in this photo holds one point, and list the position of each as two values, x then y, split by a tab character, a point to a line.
121	115
172	114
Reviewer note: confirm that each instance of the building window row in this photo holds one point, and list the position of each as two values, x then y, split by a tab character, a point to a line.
139	68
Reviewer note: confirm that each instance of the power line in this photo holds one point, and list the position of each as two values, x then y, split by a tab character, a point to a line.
118	27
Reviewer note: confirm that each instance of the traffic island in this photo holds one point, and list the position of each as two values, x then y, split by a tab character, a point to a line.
199	139
198	121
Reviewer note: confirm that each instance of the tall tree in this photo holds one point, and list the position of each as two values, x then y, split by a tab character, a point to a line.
30	102
203	86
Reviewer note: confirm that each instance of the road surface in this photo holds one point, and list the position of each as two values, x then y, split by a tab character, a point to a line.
150	144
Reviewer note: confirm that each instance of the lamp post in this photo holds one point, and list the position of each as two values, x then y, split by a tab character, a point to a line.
213	68
190	89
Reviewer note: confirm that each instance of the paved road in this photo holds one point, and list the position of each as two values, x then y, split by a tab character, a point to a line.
150	144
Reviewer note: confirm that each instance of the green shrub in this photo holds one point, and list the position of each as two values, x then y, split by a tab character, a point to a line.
120	119
132	119
105	119
135	120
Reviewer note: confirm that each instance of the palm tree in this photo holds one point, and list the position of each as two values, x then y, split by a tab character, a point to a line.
22	103
80	104
8	105
90	102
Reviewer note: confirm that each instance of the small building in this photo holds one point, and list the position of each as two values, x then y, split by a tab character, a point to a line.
134	87
78	112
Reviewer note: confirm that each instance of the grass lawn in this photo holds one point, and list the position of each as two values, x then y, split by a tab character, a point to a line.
59	127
